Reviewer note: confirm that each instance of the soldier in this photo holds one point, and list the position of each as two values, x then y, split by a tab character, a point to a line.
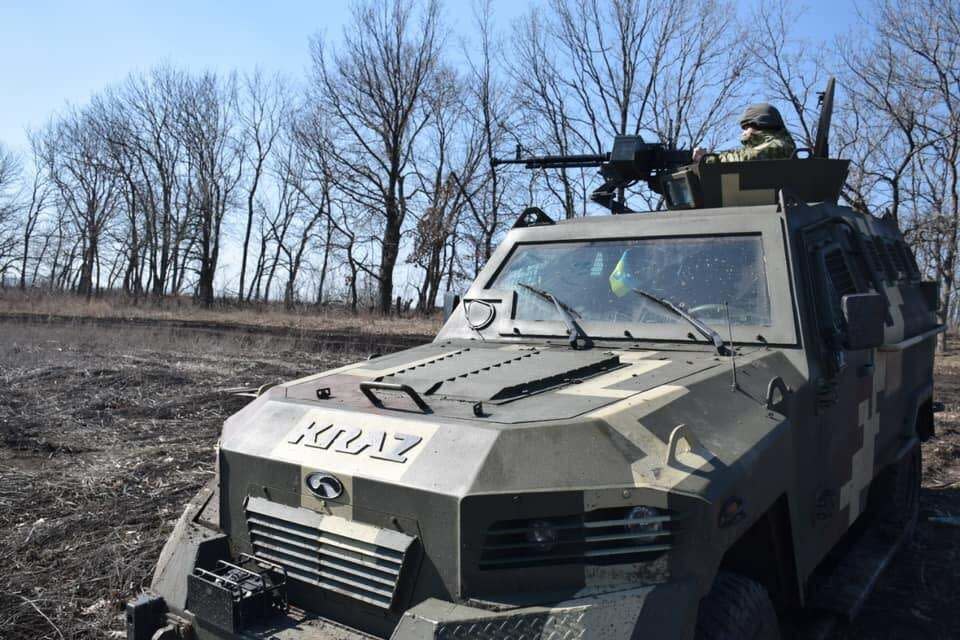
764	137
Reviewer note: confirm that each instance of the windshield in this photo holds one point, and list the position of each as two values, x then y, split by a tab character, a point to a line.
598	279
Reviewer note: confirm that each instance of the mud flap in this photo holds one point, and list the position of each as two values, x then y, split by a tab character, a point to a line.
145	615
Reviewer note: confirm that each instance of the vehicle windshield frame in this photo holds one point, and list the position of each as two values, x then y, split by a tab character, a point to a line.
782	329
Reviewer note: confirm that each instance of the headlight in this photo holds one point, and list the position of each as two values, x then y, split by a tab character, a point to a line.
645	520
542	535
604	536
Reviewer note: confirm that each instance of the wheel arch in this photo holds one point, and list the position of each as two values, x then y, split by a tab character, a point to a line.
924	419
918	417
765	553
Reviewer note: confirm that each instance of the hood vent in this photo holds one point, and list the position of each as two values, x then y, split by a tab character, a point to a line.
496	375
556	379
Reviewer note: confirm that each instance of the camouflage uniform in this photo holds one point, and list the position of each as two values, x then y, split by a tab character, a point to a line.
763	145
769	140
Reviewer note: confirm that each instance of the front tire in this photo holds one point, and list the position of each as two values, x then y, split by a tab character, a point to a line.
737	608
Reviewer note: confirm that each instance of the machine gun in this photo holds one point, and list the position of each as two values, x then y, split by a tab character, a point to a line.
809	176
630	161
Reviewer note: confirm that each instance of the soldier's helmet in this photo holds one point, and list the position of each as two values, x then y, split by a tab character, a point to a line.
761	116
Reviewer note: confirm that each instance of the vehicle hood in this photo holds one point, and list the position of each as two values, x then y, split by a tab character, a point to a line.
515	384
545	401
550	417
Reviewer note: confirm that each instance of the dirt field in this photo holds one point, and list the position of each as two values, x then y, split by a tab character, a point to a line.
106	432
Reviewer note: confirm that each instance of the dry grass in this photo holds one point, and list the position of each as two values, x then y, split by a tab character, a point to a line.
224	314
104	435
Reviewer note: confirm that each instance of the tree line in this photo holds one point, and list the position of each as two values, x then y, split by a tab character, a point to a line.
368	181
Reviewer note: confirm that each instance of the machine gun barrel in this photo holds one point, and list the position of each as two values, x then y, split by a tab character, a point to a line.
556	161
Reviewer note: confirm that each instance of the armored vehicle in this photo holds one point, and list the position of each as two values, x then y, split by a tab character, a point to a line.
691	423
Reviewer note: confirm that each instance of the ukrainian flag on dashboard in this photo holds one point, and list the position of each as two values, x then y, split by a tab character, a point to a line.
620	280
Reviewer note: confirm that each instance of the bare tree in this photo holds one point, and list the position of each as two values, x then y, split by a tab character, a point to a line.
789	69
75	158
490	106
113	124
372	90
264	102
892	114
34	202
909	76
543	97
697	88
455	172
151	103
10	176
206	126
298	214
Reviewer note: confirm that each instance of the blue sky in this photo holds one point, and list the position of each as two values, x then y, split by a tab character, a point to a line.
53	51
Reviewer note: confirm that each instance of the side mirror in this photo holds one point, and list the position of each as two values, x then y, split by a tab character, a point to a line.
451	301
864	314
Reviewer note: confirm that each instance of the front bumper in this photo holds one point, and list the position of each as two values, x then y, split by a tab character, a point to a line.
666	611
660	611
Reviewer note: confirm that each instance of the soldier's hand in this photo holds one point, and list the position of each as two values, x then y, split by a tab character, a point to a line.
698	153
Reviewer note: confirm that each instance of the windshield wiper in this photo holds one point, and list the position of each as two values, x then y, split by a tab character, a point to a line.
701	327
568	313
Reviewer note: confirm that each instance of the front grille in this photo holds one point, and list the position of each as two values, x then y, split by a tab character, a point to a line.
605	536
350	558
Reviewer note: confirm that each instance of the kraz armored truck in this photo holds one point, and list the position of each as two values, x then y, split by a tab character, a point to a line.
691	423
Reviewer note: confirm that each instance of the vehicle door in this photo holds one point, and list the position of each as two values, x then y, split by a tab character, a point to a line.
844	380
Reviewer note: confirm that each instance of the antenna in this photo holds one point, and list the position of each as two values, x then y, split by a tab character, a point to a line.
733	349
821	146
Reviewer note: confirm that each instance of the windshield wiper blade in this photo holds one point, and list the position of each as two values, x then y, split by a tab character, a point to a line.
568	313
701	327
